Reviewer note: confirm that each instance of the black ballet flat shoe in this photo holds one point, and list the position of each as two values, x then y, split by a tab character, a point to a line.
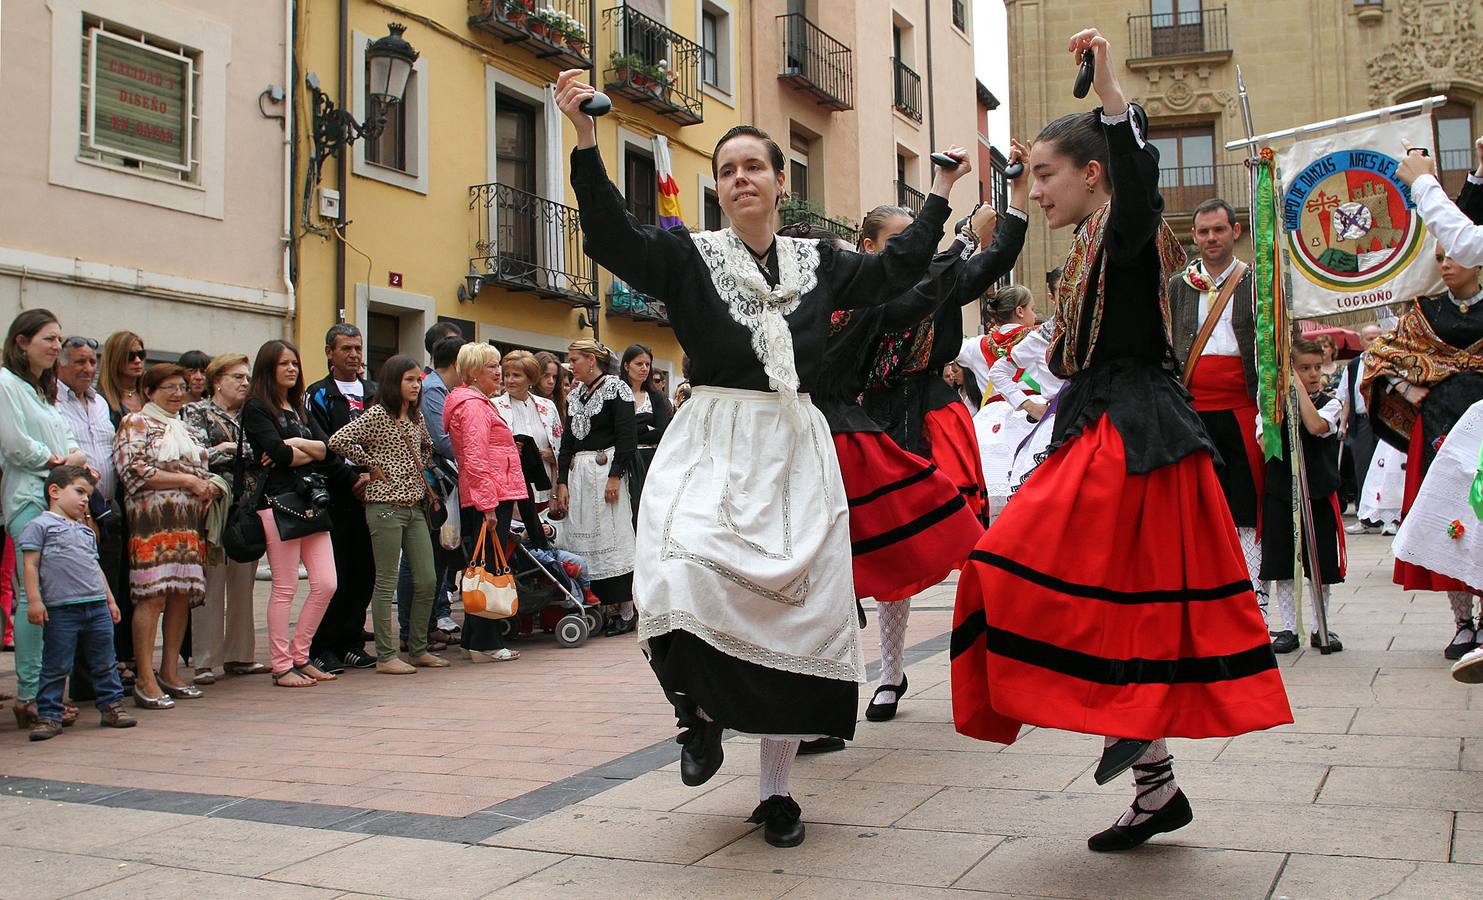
1284	642
781	820
1335	645
860	612
1119	758
1463	642
822	745
702	754
1173	816
885	712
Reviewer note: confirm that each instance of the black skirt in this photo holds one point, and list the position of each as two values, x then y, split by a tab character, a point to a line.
1231	466
1277	544
747	697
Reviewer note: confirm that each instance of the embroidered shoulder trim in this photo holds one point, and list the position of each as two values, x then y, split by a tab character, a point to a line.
581	412
761	309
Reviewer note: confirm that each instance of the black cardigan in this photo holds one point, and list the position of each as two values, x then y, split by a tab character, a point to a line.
267	430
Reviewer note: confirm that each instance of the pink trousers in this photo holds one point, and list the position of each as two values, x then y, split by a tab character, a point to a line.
284	556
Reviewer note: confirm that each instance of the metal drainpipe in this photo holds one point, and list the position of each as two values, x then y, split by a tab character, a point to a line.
592	80
342	163
931	102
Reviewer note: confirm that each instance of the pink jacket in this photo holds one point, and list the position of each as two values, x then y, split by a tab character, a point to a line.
488	463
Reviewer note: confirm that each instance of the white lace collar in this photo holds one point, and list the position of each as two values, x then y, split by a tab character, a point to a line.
581	411
760	308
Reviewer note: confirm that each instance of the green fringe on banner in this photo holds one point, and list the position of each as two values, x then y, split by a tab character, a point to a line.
1269	303
1475	496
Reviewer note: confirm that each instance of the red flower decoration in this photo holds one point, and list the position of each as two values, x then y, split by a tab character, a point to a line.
1456	530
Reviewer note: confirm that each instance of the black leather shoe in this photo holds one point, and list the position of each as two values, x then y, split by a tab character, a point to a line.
329	662
1120	757
1174	815
621	626
1335	645
1284	642
702	754
781	820
885	712
822	745
357	658
1465	639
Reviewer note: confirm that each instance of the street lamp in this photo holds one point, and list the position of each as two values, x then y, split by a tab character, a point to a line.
389	65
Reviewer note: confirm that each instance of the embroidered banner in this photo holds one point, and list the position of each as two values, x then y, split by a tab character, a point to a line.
1353	239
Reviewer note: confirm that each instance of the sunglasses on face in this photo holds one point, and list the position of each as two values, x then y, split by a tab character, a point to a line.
78	340
136	355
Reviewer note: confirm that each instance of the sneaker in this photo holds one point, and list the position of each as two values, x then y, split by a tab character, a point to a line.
264	572
329	662
45	729
1362	526
114	716
1335	645
447	625
395	666
358	658
1284	642
1391	528
1469	669
1464	642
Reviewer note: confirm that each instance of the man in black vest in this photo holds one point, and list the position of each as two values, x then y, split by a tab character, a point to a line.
333	401
1221	373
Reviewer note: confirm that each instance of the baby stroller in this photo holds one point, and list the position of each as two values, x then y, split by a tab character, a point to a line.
548	598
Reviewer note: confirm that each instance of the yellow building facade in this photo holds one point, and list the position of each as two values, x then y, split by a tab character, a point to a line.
461	208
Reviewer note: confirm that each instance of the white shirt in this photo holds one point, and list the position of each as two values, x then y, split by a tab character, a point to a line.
93	429
1330	413
1223	339
525	420
1456	233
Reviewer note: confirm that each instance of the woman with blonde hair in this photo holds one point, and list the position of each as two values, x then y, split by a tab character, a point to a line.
489	477
119	372
591	483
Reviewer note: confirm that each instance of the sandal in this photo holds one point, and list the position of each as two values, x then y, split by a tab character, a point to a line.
281	679
312	671
125	675
69	714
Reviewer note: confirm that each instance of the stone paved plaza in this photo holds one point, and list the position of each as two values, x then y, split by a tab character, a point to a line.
554	776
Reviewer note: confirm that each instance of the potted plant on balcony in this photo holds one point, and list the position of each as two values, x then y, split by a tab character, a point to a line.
546	24
516	11
575	33
628	68
663	79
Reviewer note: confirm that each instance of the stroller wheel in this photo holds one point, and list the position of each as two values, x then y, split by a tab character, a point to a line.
571	631
596	620
505	627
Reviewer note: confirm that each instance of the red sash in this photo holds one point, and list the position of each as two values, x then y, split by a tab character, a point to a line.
1220	384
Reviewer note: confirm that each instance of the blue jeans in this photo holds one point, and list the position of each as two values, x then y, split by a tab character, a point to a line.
85	626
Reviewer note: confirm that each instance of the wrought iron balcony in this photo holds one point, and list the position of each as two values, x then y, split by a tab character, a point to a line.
652	66
795	211
816	63
1186	187
525	242
1188	32
626	302
909	197
908	90
557	30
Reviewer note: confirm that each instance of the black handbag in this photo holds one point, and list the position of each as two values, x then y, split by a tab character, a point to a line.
296	516
243	537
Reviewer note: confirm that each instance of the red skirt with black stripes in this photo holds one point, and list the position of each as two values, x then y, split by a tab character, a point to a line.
1114	604
952	442
909	526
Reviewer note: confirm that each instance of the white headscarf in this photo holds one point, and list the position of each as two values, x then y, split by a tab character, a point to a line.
177	442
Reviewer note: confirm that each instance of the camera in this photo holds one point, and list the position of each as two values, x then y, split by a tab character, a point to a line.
314	488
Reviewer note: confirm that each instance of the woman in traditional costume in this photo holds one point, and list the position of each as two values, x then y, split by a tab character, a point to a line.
1111	597
1013	311
742	578
1418	381
905	392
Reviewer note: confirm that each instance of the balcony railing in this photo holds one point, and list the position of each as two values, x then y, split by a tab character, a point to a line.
792	212
908	92
551	29
652	66
909	197
525	242
816	63
1185	188
629	303
1191	32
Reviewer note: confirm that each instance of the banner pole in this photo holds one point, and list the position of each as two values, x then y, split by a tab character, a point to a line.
1328	124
